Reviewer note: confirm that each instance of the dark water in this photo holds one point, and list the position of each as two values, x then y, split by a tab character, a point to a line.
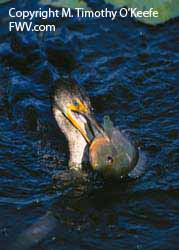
129	70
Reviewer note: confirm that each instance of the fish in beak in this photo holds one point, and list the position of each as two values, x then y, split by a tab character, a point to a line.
82	118
117	156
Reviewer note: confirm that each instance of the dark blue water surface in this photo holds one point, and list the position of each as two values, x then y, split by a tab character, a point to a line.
129	70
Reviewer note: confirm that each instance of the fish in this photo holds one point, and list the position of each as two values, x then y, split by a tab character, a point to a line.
115	155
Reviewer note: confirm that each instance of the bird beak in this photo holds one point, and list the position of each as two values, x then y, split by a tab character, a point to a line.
82	119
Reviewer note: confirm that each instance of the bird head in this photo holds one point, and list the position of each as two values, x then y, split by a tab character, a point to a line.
75	106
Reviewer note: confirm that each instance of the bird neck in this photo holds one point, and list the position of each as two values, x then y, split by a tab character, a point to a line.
77	144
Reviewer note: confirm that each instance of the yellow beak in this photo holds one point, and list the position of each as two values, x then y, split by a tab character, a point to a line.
80	125
77	125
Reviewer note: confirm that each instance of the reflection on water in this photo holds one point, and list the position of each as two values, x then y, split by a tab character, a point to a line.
130	72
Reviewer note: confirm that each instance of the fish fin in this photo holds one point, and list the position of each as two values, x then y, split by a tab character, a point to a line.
140	168
108	125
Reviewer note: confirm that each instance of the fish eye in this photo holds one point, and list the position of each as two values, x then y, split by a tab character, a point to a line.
75	103
109	159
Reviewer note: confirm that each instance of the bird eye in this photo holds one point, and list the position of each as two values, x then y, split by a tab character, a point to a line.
75	103
109	159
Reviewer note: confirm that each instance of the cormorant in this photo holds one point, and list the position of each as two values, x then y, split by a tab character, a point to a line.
74	115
